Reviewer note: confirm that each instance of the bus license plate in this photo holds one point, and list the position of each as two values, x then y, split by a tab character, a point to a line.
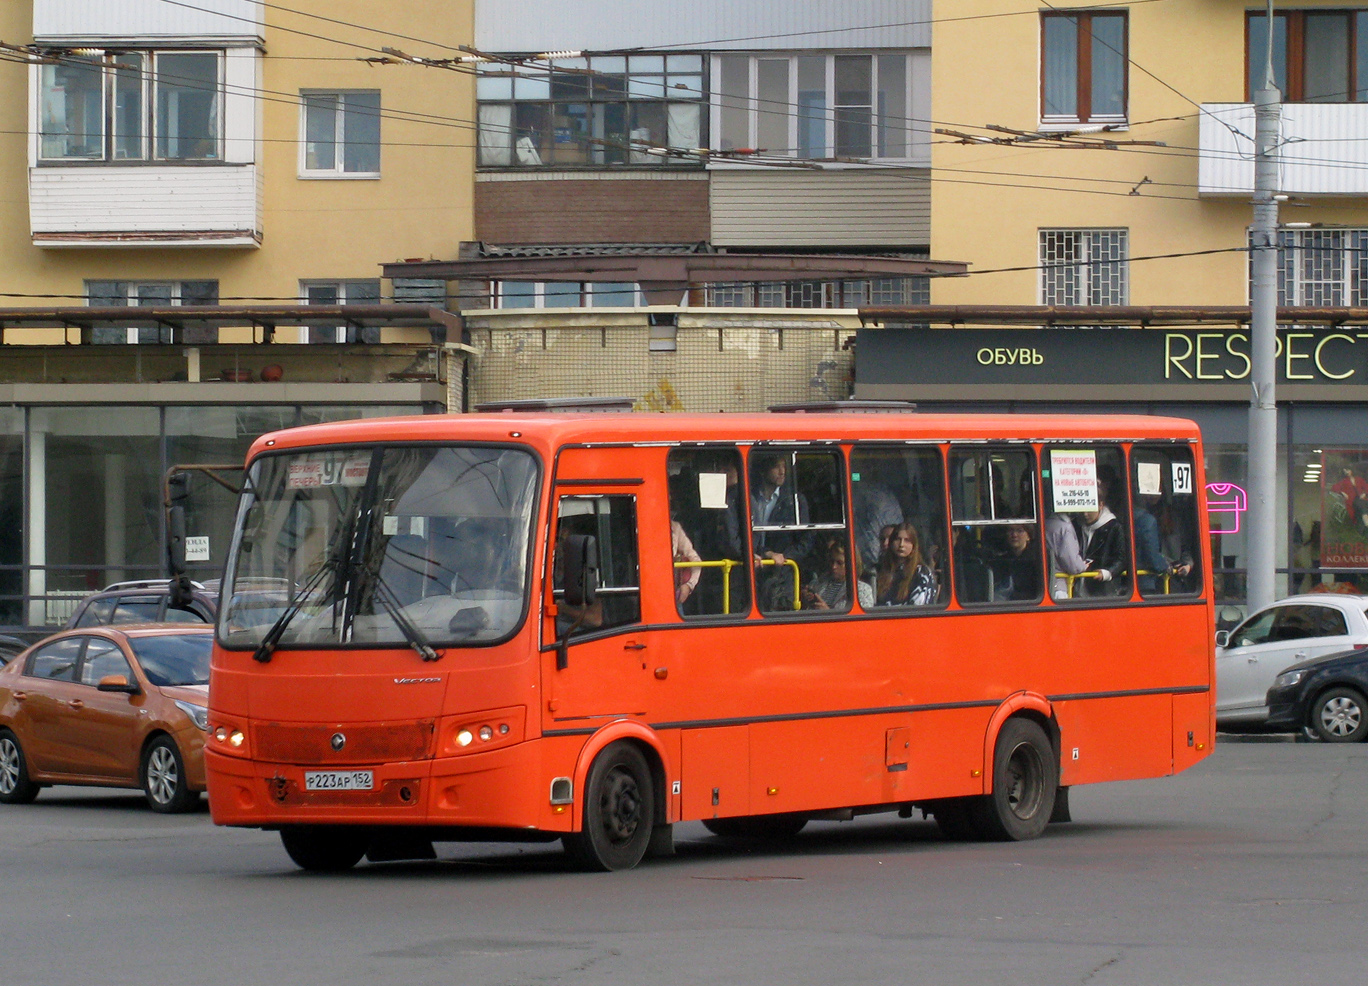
338	780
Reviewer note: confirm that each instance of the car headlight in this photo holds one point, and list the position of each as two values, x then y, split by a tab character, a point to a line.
1289	678
198	714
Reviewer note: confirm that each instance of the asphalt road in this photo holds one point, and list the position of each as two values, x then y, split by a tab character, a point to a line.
1248	869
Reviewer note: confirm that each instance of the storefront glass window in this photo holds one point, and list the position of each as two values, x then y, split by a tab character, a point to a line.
1329	518
11	514
215	436
95	505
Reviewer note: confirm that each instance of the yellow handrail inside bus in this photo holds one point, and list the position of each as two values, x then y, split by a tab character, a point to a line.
726	564
1071	579
797	579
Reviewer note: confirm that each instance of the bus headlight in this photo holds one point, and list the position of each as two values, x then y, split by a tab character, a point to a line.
464	737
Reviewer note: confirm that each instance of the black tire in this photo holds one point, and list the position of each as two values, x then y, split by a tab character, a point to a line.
1025	778
15	786
1340	715
325	848
957	818
163	778
619	811
770	828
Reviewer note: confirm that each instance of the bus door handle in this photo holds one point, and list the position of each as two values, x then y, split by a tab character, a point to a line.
633	645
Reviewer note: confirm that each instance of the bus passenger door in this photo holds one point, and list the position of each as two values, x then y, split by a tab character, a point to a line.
606	668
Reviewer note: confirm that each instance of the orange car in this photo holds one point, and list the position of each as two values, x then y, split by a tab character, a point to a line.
108	706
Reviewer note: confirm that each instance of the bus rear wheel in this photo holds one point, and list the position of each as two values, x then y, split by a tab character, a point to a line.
619	811
774	828
1025	779
324	848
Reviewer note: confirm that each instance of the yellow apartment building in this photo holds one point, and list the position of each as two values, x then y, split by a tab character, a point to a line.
203	164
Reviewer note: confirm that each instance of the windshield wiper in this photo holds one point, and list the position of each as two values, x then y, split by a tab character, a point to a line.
272	637
411	633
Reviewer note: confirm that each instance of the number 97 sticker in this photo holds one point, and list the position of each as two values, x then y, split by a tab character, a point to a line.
1182	477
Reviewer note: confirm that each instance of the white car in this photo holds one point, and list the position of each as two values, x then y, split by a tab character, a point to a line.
1295	629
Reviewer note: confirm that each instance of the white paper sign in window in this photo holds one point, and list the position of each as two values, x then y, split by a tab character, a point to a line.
197	548
712	490
1148	479
1073	477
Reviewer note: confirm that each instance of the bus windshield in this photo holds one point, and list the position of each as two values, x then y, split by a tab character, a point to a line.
363	539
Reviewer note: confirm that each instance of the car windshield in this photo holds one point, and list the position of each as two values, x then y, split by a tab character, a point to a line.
435	534
174	658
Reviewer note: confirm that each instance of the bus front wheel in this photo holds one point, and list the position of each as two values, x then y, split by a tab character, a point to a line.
324	848
1025	778
619	811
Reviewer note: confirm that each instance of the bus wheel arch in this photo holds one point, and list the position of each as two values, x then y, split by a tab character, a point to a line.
1022	795
618	808
1031	705
647	744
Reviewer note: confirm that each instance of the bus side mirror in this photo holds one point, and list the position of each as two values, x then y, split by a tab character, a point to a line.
581	569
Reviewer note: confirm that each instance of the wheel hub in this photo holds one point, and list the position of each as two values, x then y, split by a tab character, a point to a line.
9	766
621	806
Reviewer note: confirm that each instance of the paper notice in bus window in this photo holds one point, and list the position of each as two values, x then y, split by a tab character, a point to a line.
712	490
389	526
1073	474
305	474
1148	479
356	470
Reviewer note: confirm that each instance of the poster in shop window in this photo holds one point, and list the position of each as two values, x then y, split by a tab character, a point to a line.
1344	509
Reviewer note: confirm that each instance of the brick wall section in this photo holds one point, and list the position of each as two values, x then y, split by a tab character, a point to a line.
596	211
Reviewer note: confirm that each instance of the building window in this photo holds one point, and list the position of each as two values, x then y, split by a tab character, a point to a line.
351	292
815	106
131	106
1321	267
145	294
821	294
565	294
1319	56
1084	266
341	134
643	110
1083	67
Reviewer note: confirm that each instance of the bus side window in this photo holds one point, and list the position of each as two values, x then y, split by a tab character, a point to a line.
995	530
611	520
898	506
797	505
1087	522
1167	559
708	532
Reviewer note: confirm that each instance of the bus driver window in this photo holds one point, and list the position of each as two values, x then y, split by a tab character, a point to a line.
611	521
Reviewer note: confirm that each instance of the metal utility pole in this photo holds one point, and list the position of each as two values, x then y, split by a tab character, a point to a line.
1260	536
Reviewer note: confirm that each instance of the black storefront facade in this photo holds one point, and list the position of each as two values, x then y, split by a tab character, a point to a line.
1196	373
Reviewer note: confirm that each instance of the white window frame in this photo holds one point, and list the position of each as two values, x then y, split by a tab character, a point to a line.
336	173
150	95
340	285
131	294
1087	271
830	108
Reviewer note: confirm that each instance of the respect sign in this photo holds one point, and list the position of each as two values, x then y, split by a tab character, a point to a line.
1073	476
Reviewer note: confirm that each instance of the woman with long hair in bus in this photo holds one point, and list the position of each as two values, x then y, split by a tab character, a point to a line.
904	578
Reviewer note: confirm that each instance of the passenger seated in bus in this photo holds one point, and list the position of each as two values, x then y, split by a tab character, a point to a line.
1062	554
831	590
1017	570
973	574
904	578
774	503
1102	539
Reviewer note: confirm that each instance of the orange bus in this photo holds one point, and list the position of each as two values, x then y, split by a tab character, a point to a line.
592	626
